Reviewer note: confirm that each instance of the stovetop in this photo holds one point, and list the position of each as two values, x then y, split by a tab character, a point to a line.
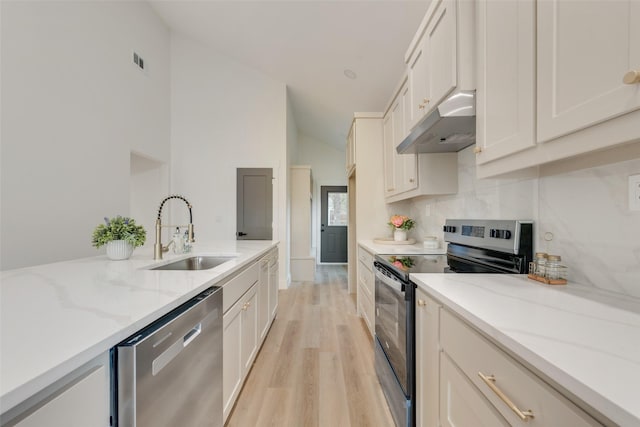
403	265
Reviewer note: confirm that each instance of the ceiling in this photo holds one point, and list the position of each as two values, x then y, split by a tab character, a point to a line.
308	45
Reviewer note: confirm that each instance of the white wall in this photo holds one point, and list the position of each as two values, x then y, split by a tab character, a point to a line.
328	168
224	116
73	108
585	209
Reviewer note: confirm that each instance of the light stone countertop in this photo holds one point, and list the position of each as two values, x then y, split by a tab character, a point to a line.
584	340
415	249
56	317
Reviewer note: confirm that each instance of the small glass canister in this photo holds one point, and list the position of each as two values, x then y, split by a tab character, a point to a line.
541	264
554	270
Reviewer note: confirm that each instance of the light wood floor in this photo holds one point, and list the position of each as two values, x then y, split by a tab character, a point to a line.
316	365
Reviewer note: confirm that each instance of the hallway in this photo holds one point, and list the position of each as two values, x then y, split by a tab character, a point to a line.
316	365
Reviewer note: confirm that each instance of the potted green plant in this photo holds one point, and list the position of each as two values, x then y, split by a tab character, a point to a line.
121	235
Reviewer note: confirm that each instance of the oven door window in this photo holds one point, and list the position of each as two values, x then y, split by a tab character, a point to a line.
391	324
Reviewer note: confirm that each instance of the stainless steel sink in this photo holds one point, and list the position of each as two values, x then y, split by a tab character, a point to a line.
195	263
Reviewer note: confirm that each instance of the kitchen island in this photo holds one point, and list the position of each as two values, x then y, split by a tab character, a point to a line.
583	342
56	317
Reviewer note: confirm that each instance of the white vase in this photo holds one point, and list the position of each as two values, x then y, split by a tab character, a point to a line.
119	249
399	235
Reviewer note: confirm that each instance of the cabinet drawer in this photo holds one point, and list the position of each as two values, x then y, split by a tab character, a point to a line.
475	355
461	404
366	258
237	286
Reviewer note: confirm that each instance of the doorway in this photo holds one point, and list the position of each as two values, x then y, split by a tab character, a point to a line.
254	204
334	219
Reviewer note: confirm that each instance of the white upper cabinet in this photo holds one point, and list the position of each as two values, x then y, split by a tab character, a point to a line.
440	47
441	56
351	152
400	170
585	48
389	159
586	56
505	101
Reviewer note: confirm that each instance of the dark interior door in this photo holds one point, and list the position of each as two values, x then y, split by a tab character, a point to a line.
254	204
334	203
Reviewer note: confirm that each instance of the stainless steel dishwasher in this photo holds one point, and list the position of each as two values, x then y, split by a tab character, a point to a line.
170	373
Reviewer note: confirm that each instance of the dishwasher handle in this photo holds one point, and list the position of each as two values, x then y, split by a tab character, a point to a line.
192	335
174	349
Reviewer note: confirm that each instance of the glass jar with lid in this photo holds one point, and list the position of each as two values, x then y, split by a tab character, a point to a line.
554	270
541	264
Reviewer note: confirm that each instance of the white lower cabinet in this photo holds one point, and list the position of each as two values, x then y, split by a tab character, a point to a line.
273	282
80	400
240	343
251	302
504	384
427	358
263	299
366	288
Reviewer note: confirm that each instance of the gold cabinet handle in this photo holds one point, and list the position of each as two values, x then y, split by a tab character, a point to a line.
422	303
421	107
477	150
490	380
425	101
632	77
411	180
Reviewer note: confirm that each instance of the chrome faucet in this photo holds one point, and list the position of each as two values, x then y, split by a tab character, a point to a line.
158	249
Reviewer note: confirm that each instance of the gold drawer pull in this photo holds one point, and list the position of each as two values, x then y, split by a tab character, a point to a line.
477	150
490	381
422	302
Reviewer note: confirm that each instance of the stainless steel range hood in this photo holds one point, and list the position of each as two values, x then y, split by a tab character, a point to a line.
449	128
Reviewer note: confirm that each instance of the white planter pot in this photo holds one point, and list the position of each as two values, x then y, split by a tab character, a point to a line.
119	249
399	235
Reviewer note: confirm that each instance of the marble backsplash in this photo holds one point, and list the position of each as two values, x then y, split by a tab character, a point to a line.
585	210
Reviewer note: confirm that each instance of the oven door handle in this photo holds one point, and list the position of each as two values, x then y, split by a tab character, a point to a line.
393	284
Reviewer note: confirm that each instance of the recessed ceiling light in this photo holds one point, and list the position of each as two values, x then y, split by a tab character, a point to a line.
350	74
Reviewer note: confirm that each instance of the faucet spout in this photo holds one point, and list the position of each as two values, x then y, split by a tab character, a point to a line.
158	248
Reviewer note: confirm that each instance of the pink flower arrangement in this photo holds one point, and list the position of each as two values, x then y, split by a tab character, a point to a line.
401	222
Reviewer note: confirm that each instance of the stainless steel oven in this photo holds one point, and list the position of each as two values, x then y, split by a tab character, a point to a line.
474	246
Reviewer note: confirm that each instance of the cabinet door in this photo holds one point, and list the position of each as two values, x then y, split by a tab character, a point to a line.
389	158
409	161
85	403
441	53
273	285
263	299
418	80
461	405
584	50
397	113
249	344
231	361
506	78
427	360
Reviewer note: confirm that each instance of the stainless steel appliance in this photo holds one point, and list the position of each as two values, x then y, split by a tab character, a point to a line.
170	373
450	127
475	246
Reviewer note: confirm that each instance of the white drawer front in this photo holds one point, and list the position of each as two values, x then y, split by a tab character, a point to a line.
366	258
504	375
240	284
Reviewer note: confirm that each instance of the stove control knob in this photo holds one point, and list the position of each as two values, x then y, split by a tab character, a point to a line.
449	229
493	232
